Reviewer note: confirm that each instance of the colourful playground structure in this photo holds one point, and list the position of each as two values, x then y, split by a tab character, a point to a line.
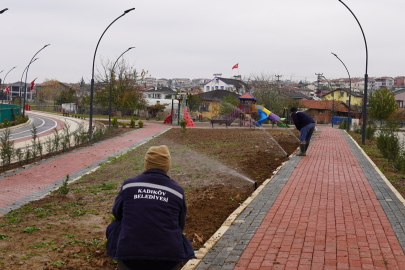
187	117
247	106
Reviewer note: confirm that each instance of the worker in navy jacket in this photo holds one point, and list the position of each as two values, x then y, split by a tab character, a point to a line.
306	125
150	212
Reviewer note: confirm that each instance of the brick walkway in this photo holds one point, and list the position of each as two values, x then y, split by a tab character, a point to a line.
318	212
18	188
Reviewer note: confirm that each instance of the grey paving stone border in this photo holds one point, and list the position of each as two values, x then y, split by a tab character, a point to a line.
42	192
393	207
227	251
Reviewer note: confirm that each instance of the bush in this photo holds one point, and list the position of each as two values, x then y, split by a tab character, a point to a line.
114	122
123	124
343	124
6	123
388	142
370	131
183	124
132	123
140	124
64	189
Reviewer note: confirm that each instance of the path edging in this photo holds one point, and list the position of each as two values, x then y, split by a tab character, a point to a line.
393	189
193	263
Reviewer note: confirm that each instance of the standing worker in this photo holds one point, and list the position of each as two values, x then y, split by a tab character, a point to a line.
306	125
150	212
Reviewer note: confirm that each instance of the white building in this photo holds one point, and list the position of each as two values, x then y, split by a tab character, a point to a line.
231	85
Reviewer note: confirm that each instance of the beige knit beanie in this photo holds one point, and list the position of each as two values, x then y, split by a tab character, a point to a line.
158	157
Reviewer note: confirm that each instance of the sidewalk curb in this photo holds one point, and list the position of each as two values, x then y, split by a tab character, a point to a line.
192	264
393	189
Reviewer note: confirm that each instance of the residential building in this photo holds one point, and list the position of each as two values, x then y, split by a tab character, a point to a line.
384	82
159	95
231	85
400	97
342	94
321	110
15	89
211	100
399	81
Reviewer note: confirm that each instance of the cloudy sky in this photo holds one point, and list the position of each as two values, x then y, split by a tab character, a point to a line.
197	38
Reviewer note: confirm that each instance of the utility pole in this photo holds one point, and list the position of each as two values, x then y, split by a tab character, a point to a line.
278	81
319	83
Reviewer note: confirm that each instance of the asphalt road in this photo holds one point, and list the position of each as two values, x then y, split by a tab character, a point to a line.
42	124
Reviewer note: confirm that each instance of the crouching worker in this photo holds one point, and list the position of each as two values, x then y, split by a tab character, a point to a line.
150	212
306	125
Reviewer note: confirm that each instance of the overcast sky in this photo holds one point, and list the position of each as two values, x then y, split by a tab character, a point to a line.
197	38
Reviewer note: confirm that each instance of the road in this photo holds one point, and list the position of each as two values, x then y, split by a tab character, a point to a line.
41	122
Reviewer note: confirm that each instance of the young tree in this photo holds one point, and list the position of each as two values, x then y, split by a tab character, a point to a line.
382	104
268	94
227	104
194	102
124	86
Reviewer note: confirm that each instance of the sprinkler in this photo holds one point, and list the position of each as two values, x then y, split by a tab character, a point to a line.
255	185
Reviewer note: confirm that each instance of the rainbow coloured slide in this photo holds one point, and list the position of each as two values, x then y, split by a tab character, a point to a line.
266	114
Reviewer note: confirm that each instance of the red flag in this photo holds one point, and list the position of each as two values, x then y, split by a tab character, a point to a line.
7	90
32	84
235	66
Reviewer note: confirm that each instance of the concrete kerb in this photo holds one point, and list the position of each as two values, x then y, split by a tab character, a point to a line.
192	264
393	189
37	195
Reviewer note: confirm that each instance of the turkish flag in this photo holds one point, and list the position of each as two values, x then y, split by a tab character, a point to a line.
235	66
32	84
7	90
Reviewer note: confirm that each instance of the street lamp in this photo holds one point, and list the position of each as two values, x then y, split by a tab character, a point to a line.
22	75
5	79
363	135
92	75
112	70
2	11
26	74
350	92
333	97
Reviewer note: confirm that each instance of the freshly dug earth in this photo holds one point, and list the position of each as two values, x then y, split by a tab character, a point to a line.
216	167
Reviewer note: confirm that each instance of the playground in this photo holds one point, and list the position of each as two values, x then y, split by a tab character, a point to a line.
217	175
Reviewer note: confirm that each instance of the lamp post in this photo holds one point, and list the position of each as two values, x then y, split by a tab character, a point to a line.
333	97
350	92
112	70
5	79
3	10
92	75
22	75
26	74
363	135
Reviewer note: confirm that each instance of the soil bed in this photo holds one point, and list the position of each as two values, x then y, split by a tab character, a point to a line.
216	167
16	165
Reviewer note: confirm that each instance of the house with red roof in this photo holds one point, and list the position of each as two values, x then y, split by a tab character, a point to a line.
321	110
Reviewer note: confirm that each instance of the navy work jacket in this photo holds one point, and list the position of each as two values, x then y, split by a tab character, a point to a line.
301	119
150	212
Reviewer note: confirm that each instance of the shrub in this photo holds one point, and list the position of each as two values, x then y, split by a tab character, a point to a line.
123	124
64	189
6	147
6	123
343	124
114	122
183	124
388	142
140	124
132	123
370	131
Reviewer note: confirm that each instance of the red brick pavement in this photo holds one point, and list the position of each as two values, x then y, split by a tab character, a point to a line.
326	217
23	183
